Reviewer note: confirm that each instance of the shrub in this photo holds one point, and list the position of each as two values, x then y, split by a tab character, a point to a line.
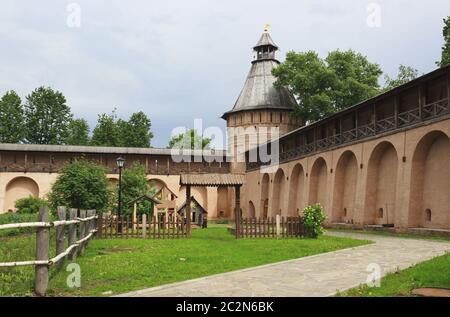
81	184
134	185
29	205
313	218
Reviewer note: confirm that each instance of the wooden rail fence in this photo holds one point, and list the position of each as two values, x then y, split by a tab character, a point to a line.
82	225
274	227
141	227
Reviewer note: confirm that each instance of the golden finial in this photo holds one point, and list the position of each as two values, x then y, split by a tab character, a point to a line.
266	27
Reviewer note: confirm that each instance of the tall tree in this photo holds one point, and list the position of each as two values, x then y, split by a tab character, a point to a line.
106	132
189	140
78	132
325	86
357	78
445	57
405	74
47	117
136	131
11	118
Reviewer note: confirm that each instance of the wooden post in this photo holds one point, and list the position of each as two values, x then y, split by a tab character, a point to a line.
42	249
127	225
73	234
82	231
396	109
188	210
95	222
89	225
144	226
134	217
61	211
237	210
421	100
278	226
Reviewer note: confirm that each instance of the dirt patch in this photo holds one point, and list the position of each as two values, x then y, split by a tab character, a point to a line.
431	292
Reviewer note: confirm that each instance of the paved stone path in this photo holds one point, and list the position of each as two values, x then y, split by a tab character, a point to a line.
318	275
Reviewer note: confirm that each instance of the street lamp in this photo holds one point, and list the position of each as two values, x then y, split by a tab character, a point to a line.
120	162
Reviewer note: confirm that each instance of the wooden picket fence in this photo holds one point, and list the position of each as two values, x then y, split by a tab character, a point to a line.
82	227
141	228
273	227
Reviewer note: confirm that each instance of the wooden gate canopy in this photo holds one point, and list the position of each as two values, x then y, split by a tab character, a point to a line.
212	180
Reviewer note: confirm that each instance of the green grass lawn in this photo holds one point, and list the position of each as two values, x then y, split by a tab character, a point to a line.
432	273
119	266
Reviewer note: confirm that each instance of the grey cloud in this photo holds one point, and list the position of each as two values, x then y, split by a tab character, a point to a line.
181	60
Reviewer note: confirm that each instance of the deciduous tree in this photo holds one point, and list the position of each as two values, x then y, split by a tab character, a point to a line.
47	117
325	86
405	74
189	140
136	131
445	55
106	132
78	132
11	118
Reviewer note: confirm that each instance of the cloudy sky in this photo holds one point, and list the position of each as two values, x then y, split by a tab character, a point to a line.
187	59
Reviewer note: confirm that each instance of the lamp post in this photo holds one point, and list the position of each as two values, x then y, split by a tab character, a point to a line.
120	162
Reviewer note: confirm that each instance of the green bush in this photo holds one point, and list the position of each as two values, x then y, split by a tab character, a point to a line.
313	218
82	185
29	205
134	185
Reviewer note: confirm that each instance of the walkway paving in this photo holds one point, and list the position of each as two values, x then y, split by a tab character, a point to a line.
318	275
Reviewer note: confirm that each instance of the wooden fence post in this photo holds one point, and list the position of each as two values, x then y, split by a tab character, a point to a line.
89	226
73	234
144	226
278	225
82	231
42	249
60	230
95	222
99	226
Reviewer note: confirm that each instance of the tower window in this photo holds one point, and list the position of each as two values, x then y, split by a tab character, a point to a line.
281	117
380	213
260	117
271	117
251	117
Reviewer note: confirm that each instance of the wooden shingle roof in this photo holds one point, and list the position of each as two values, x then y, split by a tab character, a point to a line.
212	180
195	201
145	197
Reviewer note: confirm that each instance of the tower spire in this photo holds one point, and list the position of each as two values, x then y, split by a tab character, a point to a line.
265	48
